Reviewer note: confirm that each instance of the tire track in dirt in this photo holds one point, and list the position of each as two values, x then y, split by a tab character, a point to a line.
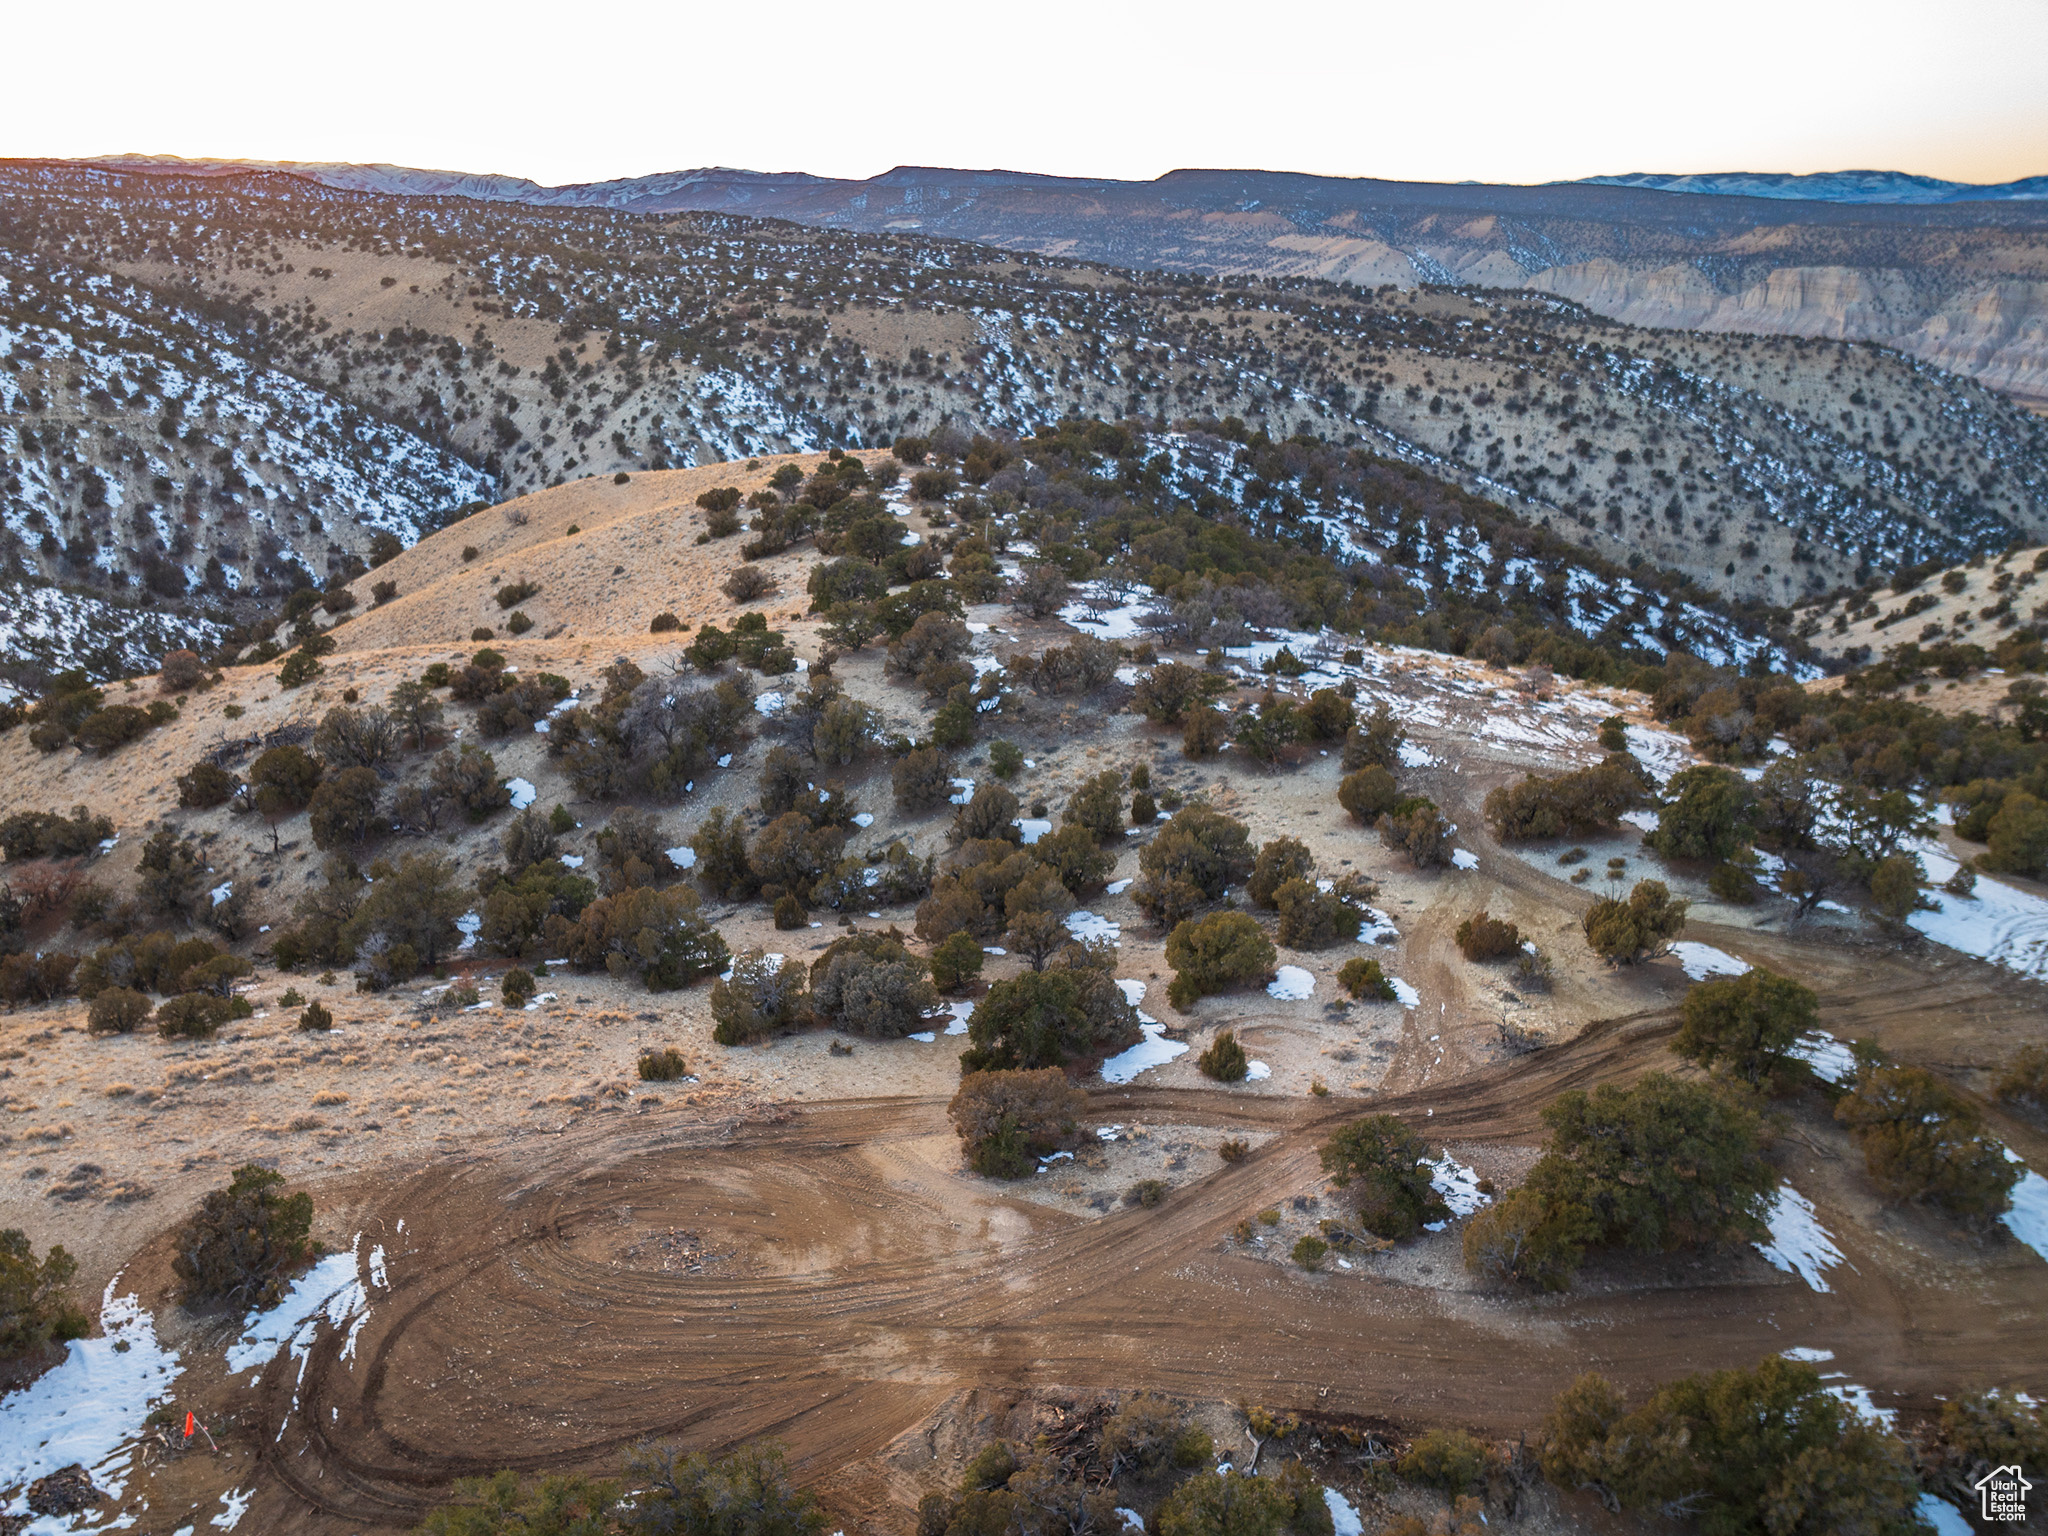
518	1334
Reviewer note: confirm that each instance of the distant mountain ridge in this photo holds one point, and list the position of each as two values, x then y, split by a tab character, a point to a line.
1894	187
689	188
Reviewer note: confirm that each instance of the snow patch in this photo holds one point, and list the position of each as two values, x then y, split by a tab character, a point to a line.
1799	1244
1943	1516
1257	1072
1291	985
1344	1519
522	793
684	857
1699	961
1085	926
1033	829
1831	1061
2028	1218
1458	1185
1464	860
335	1291
234	1505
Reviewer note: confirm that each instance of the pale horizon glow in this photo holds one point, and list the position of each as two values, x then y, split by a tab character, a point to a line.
622	88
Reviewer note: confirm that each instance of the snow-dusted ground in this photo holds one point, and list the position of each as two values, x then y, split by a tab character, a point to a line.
1799	1244
88	1408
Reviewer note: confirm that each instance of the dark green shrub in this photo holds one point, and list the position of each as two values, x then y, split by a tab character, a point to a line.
1007	1120
1191	862
192	1015
1385	1167
869	984
1215	954
660	936
761	996
1417	828
1047	1018
1924	1142
1624	932
921	780
665	1065
2025	1078
1709	813
31	978
956	961
1225	1060
1748	1025
1315	919
1446	1459
1484	937
1569	804
517	987
46	835
1764	1449
34	1306
244	1241
204	785
1279	861
1150	1435
117	1011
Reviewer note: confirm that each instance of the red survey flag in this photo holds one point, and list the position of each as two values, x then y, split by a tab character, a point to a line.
190	1423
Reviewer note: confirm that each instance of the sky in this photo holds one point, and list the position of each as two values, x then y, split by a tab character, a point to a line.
1491	90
